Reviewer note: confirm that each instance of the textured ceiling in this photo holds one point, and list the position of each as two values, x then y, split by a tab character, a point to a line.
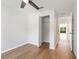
61	6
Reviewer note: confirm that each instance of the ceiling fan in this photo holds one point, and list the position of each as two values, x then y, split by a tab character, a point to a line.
24	2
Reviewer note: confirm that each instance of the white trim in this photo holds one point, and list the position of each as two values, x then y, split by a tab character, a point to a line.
17	47
33	44
55	45
75	53
13	48
52	48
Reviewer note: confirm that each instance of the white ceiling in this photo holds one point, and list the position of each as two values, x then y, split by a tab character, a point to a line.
61	6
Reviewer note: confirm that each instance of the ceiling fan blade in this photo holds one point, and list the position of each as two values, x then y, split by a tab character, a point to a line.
33	4
23	4
41	7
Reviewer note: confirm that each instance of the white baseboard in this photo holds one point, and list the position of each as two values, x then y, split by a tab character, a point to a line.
52	48
13	48
17	47
34	44
45	41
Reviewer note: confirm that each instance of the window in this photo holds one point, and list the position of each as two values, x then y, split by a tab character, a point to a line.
62	29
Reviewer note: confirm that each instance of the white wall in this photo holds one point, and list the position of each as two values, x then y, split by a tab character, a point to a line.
56	29
52	29
18	26
45	28
33	29
21	26
14	27
64	19
75	28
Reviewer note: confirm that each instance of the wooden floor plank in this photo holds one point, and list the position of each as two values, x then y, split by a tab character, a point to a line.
28	51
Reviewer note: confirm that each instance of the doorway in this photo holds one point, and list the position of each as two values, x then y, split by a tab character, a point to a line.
65	30
44	30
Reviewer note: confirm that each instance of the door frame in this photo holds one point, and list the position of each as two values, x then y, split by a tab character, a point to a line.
40	29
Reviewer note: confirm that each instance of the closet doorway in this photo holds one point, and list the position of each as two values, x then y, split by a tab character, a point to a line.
44	30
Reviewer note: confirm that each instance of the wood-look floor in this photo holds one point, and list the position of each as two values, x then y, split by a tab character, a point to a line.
29	51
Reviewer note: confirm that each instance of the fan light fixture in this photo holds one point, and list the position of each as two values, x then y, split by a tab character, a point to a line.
26	1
